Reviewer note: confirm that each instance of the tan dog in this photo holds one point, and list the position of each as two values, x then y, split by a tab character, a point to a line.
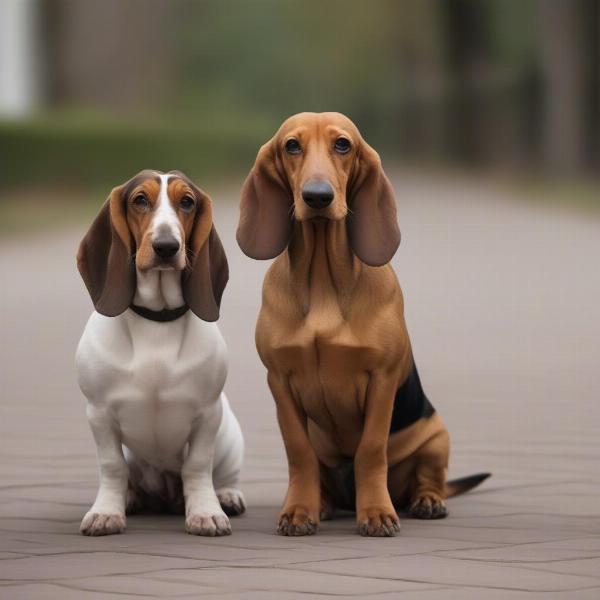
357	427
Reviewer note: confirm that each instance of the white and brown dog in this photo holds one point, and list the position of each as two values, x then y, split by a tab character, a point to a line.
151	361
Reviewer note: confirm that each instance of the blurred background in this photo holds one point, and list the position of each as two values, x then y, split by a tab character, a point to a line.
486	115
91	92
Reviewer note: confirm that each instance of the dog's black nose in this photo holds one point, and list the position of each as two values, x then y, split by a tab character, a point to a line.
165	246
317	194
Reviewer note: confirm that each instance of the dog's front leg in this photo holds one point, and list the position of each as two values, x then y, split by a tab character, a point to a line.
375	512
203	513
107	514
300	512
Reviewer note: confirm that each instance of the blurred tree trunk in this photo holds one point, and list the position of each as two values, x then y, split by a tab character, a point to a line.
110	54
563	53
469	65
421	71
594	89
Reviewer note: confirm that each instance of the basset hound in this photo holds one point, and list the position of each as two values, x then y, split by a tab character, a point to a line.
152	362
358	430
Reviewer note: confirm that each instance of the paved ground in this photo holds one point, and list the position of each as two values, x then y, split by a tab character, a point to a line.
502	300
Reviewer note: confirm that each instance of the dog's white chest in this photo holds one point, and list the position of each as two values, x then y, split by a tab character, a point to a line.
155	379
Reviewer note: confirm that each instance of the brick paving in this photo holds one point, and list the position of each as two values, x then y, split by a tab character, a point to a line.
502	307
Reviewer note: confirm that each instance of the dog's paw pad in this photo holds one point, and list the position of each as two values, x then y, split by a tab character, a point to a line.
428	507
378	523
96	524
232	501
297	521
207	524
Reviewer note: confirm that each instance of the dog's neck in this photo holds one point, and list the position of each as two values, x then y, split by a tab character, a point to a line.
158	290
322	264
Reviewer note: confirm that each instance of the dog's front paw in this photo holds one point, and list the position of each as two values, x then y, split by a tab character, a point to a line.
297	520
102	524
428	506
378	521
232	501
208	524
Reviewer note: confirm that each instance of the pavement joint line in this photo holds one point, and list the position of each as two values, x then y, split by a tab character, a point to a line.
83	589
62	582
407	580
522	562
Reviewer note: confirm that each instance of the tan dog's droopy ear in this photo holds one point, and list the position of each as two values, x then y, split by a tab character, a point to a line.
372	223
104	258
265	225
205	279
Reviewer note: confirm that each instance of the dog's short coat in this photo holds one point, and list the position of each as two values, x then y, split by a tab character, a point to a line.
358	430
152	371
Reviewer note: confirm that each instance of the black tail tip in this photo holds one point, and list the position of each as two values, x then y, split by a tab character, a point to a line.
464	484
478	478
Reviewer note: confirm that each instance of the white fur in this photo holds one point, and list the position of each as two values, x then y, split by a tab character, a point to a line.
158	289
165	216
157	410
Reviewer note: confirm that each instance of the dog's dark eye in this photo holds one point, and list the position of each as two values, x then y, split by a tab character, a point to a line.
187	203
342	145
293	147
140	201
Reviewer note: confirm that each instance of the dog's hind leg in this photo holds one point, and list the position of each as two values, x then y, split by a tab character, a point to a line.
134	501
327	504
336	473
401	483
431	463
150	489
338	489
229	458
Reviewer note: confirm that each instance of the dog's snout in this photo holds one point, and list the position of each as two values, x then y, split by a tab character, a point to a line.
317	194
165	246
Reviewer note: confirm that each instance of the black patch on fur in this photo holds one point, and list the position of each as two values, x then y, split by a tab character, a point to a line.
411	403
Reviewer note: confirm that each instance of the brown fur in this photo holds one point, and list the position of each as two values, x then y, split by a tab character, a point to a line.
119	240
332	335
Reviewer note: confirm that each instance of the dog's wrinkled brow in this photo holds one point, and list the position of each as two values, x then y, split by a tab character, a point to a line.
179	176
138	179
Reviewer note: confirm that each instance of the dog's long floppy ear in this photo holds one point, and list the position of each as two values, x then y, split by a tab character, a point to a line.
265	226
104	258
205	279
372	223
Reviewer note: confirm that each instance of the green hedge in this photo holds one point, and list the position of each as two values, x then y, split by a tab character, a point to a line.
87	152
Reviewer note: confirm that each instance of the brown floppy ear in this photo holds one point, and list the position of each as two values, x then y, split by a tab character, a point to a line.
265	225
104	258
205	279
372	223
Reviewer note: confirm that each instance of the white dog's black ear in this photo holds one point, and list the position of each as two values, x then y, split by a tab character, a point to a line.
265	225
204	281
104	258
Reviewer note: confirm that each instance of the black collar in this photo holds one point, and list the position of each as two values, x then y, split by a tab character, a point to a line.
162	316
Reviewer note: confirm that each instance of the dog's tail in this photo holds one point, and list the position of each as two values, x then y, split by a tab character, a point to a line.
464	484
